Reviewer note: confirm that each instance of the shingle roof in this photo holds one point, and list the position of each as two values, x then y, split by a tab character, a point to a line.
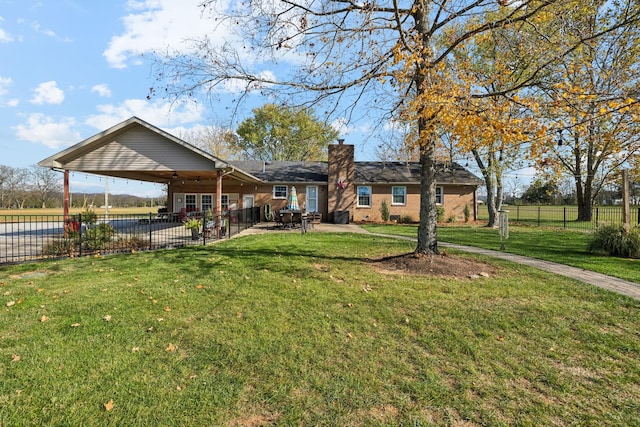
365	172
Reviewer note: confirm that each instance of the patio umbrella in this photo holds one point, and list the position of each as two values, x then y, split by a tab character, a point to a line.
292	203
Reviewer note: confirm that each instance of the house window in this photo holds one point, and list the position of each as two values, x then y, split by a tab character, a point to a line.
280	191
190	202
398	195
439	195
364	197
224	202
207	202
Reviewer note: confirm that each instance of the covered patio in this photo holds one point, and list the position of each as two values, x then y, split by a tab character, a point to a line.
137	150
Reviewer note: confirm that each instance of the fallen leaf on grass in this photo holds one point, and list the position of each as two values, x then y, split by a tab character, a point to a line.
10	303
135	349
109	405
75	325
167	308
171	348
107	318
43	319
15	358
199	286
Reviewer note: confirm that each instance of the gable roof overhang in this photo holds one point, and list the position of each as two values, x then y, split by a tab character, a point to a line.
137	150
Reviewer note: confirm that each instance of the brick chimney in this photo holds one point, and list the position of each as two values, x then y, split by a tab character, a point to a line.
342	190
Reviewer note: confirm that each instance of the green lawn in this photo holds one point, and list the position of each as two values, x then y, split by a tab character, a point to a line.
302	330
562	246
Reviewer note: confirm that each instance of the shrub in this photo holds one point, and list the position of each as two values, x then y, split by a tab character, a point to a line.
440	213
467	213
452	218
384	211
59	247
612	240
405	219
97	237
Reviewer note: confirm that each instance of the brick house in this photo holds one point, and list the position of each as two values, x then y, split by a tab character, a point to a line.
341	189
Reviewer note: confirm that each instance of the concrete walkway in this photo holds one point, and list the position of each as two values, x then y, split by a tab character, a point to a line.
624	287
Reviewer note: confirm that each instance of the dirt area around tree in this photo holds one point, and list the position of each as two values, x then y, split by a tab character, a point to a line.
442	265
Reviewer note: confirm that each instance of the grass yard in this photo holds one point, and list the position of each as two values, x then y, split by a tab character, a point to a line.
562	246
301	330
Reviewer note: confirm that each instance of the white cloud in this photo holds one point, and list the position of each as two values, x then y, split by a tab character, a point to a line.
44	130
102	90
38	29
156	25
162	114
4	36
13	102
4	83
48	93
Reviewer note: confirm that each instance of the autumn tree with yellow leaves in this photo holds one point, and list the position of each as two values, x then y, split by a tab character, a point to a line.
591	101
353	58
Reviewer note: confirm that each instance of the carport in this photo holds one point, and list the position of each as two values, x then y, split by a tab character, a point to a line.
137	150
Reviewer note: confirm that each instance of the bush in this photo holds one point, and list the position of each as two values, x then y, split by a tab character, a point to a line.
98	236
467	213
405	219
59	247
384	211
452	218
440	213
612	240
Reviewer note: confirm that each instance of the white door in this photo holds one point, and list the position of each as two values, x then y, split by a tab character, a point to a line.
311	199
247	201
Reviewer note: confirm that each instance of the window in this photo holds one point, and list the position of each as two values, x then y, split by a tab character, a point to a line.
224	202
364	197
398	195
280	191
190	202
439	195
207	202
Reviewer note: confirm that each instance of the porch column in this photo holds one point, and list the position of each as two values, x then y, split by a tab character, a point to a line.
218	202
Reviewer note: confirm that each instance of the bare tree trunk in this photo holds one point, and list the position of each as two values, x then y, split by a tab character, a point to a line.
427	230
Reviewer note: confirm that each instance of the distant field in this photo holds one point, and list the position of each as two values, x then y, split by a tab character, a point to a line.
562	216
58	211
34	214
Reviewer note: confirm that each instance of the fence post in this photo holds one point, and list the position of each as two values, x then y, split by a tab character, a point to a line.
597	215
79	234
150	234
538	216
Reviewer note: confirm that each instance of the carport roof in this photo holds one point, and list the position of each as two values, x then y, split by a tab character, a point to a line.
137	150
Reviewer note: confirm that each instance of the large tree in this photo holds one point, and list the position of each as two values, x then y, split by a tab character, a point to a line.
284	133
590	100
356	57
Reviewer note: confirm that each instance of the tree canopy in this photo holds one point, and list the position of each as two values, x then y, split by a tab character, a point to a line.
284	133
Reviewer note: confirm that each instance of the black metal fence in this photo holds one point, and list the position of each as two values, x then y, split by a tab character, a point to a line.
25	238
565	216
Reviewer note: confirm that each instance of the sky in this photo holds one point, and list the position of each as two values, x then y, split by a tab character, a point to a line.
72	68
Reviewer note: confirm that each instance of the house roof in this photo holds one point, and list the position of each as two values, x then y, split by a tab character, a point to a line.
365	172
135	149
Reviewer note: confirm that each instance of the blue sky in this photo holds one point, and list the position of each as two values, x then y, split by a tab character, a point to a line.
72	68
